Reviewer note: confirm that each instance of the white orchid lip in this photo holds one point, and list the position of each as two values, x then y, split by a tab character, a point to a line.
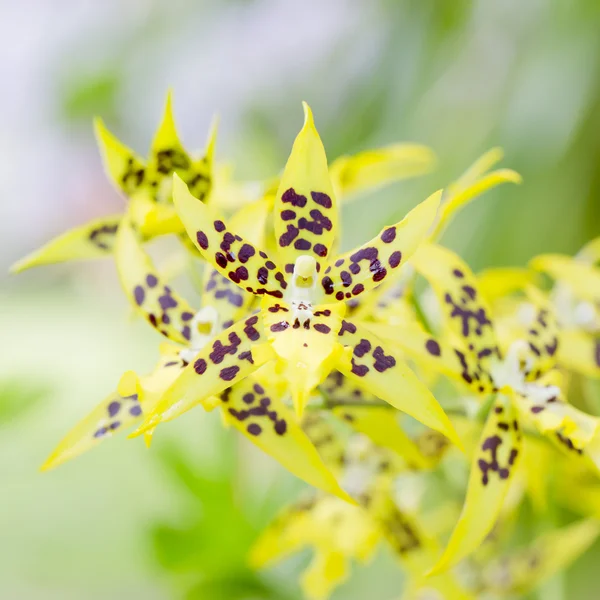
302	290
512	370
204	327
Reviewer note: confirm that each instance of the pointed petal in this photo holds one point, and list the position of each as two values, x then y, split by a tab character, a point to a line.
240	261
307	349
260	415
582	278
305	212
152	218
579	351
431	352
124	167
230	357
326	571
93	240
372	169
373	366
491	474
472	184
590	253
465	310
542	336
156	302
117	411
364	268
498	282
230	302
568	427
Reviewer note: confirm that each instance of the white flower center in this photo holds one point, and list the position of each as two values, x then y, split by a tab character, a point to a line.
303	289
512	370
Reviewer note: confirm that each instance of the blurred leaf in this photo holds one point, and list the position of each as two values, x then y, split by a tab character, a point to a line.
17	397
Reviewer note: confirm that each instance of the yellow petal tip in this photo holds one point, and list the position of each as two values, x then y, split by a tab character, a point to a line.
308	116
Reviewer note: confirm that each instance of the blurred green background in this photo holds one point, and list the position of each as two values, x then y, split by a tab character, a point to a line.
459	75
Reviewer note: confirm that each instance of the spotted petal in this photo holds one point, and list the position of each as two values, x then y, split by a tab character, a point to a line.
306	348
492	469
117	411
229	358
568	427
156	302
371	363
372	169
124	167
472	183
364	268
259	414
465	310
429	351
95	239
305	211
235	258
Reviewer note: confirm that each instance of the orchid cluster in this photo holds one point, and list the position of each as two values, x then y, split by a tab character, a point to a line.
426	406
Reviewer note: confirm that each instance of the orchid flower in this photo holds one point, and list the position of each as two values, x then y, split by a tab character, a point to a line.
252	405
301	325
518	374
146	186
339	533
576	299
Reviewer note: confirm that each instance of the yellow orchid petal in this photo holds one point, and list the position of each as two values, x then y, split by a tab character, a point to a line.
326	571
307	348
230	357
230	302
427	350
124	167
372	169
380	424
260	415
536	463
117	411
501	281
568	427
151	218
579	351
240	261
492	467
582	278
305	211
373	366
542	335
364	268
157	303
470	185
522	571
93	240
590	253
322	434
465	310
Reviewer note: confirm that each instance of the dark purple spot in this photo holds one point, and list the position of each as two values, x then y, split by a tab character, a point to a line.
202	240
135	411
287	215
302	244
322	328
254	429
219	226
200	366
389	235
113	408
151	280
395	258
246	253
322	199
320	250
228	373
433	348
139	295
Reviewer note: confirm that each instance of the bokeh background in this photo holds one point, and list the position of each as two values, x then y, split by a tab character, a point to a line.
461	76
